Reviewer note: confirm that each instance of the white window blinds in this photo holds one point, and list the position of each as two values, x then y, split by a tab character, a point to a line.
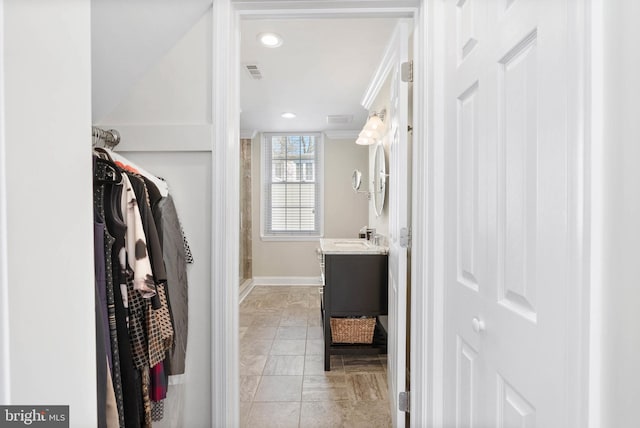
292	185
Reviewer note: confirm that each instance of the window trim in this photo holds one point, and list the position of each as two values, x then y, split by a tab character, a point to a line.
319	172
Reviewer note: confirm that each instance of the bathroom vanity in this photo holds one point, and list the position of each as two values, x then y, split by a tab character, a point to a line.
355	278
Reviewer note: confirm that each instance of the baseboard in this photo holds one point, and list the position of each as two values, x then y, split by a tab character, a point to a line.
245	289
287	280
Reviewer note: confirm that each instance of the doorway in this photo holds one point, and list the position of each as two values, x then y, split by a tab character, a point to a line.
394	15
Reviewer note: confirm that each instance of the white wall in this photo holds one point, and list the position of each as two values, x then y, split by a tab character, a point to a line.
47	100
189	192
345	212
176	89
619	212
165	125
128	37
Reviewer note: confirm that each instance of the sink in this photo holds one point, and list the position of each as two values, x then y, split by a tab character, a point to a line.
352	244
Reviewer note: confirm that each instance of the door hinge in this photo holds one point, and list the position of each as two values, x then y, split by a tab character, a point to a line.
405	237
403	401
406	71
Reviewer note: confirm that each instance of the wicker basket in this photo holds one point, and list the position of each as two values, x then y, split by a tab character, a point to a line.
352	330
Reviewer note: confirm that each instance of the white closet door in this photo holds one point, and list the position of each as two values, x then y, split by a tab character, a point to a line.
507	184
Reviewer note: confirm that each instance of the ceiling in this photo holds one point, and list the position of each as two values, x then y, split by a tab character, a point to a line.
128	37
323	67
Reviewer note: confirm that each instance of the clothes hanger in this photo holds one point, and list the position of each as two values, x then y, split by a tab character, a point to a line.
106	171
162	186
103	153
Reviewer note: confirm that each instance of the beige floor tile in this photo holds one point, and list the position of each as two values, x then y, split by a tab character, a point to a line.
314	302
371	414
383	361
260	290
295	317
256	332
242	331
272	302
329	386
362	363
252	364
293	320
280	415
245	409
368	386
288	347
283	382
315	347
249	305
302	312
279	388
265	319
245	319
255	346
291	332
324	414
314	364
344	414
298	300
315	332
315	319
289	365
248	386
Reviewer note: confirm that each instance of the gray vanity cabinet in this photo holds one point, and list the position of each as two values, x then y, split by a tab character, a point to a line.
355	285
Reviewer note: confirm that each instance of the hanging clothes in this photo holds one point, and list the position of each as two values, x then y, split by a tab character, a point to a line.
135	241
105	175
175	260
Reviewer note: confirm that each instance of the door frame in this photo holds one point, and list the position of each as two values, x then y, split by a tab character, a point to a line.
225	203
385	70
432	196
5	371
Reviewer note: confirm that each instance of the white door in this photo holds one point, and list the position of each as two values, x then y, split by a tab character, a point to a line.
399	209
507	184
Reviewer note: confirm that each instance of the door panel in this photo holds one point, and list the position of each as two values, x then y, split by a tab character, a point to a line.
517	178
466	378
506	225
399	209
468	195
513	409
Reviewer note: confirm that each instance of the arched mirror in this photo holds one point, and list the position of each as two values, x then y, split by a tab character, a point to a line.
379	180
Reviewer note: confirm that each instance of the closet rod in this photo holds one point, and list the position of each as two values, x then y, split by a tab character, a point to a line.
110	138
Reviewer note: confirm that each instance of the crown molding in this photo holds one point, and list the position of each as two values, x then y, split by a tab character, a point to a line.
248	134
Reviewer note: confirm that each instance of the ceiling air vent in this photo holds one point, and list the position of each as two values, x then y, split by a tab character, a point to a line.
253	71
339	119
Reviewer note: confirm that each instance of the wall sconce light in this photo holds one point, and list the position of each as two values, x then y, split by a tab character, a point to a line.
372	130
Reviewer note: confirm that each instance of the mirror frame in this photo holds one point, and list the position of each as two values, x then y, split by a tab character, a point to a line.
356	180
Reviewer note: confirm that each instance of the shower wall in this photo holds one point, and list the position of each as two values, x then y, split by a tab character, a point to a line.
246	269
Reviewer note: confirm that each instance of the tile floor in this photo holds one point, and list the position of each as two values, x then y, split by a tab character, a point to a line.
282	377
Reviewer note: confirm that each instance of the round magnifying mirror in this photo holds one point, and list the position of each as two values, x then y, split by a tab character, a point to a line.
356	180
379	180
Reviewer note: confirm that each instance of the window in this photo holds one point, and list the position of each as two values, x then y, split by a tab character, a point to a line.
292	185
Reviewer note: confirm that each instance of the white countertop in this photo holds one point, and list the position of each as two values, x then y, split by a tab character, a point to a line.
351	246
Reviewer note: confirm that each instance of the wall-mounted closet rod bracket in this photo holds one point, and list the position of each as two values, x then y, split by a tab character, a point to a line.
109	138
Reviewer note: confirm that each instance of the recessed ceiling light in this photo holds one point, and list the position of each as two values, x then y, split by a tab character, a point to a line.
288	115
270	40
